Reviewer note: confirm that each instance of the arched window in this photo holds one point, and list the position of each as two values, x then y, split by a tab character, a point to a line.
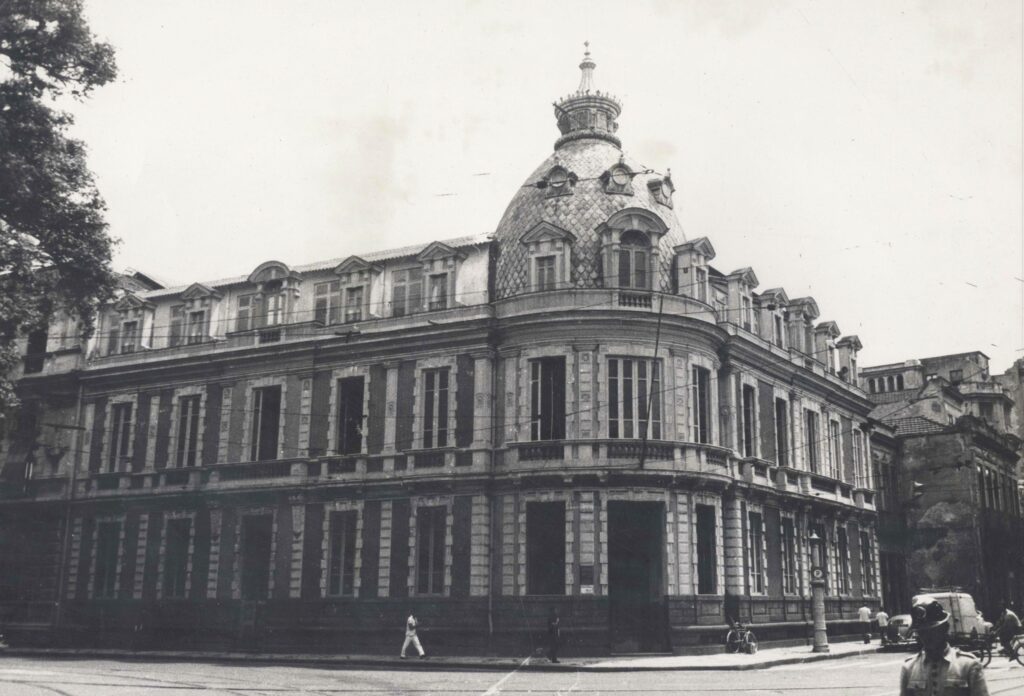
634	260
890	383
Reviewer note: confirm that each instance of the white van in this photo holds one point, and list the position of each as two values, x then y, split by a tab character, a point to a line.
964	621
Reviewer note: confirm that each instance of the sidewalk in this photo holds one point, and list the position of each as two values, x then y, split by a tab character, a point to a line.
770	657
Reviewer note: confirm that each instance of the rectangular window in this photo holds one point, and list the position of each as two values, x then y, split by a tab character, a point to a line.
547	399
407	291
257	536
327	302
633	268
342	554
274	304
187	446
700	404
755	550
779	332
843	550
130	336
179	534
633	386
350	415
789	570
545	272
707	556
35	351
700	276
266	419
867	564
749	420
196	327
354	304
745	311
956	376
177	326
248	310
430	551
120	436
860	471
438	291
835	449
435	408
811	439
782	432
108	540
545	548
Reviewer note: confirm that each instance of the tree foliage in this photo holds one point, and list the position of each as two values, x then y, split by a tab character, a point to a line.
54	248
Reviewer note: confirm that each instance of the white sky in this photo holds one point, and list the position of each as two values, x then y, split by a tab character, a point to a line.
866	153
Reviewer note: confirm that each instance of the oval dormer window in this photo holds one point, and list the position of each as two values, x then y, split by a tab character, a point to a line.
620	176
558	179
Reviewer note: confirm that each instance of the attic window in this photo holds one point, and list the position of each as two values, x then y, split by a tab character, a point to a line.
559	182
618	179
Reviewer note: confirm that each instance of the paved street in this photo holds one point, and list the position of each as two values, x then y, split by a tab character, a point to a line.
871	675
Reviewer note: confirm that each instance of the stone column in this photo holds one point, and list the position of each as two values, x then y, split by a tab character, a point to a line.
482	396
732	532
391	408
298	510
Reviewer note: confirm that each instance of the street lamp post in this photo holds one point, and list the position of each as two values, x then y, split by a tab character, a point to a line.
818	596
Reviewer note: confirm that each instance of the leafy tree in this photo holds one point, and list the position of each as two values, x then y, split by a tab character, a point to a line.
54	248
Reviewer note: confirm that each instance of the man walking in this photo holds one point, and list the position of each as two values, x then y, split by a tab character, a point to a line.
938	668
883	625
864	616
411	638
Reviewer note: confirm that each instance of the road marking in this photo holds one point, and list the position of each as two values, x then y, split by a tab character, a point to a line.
496	687
571	688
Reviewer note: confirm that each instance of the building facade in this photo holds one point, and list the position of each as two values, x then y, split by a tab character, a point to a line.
577	411
949	501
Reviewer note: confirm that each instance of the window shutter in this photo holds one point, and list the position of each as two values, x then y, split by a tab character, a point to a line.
258	317
114	346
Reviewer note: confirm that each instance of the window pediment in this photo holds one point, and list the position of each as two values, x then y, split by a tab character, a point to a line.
775	296
701	245
636	219
270	270
829	327
805	305
545	231
198	291
853	342
745	276
436	251
131	302
355	264
558	182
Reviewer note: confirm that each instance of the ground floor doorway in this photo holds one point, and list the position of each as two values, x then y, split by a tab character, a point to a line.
636	563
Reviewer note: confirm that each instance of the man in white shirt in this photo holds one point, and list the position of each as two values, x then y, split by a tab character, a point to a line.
864	616
883	625
411	638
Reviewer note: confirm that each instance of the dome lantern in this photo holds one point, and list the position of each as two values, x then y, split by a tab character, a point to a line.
587	113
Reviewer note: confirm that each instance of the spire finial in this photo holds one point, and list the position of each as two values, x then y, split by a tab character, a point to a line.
587	67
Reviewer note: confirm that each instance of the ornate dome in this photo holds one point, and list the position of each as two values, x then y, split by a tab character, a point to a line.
578	189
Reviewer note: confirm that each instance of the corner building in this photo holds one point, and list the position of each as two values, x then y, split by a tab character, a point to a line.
577	412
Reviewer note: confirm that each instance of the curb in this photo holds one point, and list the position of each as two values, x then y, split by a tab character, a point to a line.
333	662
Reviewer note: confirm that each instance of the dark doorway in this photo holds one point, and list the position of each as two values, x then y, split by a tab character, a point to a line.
256	535
635	571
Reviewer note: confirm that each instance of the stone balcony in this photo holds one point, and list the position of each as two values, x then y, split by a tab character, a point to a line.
597	300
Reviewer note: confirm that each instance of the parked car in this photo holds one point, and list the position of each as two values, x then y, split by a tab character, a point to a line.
899	630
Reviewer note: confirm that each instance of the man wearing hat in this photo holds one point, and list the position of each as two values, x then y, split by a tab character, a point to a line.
938	669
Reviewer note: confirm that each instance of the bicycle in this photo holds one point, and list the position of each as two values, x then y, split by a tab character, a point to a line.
981	647
740	640
1015	650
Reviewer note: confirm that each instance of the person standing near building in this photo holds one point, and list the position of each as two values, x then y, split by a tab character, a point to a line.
411	638
938	668
883	625
864	616
554	632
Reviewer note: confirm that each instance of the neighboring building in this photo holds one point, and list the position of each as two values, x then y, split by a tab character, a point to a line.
1013	382
577	411
948	493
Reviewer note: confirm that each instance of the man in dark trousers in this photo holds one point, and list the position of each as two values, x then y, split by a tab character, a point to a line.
553	634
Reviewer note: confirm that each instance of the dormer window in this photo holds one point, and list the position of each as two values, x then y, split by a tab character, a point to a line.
745	312
438	291
130	335
327	302
197	326
618	179
662	190
274	304
691	268
549	250
354	304
406	291
634	260
700	282
779	336
248	308
559	182
545	272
